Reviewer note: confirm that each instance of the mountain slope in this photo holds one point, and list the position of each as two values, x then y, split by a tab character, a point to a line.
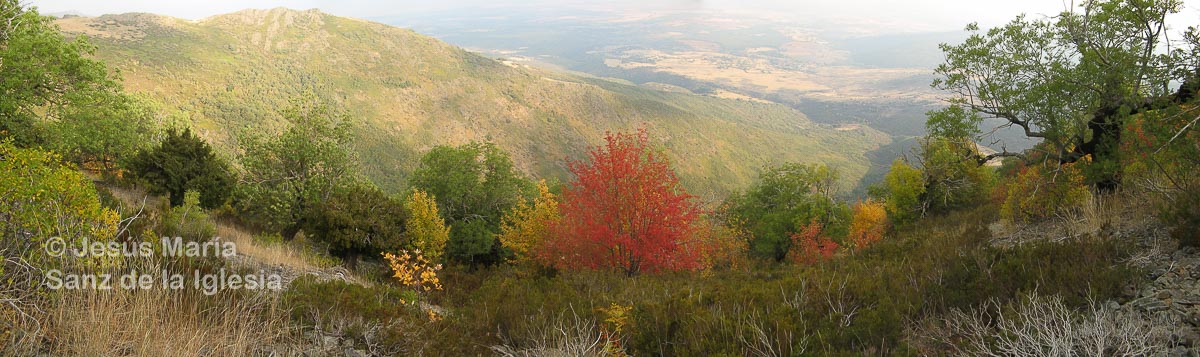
409	92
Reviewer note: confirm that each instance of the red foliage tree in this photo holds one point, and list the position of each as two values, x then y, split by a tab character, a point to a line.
624	210
810	246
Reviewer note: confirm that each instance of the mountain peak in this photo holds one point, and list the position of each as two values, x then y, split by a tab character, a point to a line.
279	15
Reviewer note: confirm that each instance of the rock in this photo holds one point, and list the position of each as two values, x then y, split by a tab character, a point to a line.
351	352
1149	304
1113	305
329	343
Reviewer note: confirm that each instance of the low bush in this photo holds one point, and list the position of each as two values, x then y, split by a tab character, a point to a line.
188	221
1039	192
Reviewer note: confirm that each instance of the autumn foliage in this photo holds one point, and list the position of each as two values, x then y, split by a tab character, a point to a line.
720	246
868	224
527	227
810	245
425	226
625	210
1040	192
414	270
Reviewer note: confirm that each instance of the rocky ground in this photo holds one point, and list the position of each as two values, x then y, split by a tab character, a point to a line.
1171	293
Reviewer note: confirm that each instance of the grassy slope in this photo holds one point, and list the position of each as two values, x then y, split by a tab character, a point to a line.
409	92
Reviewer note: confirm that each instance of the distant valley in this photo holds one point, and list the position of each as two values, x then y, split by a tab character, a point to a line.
408	92
846	75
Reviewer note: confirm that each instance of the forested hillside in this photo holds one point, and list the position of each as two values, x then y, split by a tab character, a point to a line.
406	93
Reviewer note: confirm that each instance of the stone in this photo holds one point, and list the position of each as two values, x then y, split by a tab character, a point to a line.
1113	305
1149	304
351	352
329	342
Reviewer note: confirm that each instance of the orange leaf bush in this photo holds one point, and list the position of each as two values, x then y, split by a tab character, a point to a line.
868	224
810	245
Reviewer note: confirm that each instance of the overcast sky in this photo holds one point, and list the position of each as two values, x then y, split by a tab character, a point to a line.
923	15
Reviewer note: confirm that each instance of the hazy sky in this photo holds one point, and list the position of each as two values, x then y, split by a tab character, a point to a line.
901	15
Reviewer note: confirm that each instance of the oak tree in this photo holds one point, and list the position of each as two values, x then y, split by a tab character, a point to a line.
287	174
1069	80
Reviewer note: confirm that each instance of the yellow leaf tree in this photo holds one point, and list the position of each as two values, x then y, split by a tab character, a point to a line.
528	224
868	224
425	227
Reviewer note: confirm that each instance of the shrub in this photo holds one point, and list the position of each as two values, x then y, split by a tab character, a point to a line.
721	247
188	221
474	185
339	299
868	224
786	198
1162	155
184	162
905	186
810	245
1041	192
1183	214
290	172
526	228
40	198
357	220
952	176
413	270
1045	325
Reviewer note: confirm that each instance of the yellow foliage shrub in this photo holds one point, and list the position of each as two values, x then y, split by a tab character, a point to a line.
1041	192
868	224
40	199
425	226
412	269
528	225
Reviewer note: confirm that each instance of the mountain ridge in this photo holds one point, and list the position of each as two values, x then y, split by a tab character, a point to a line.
409	92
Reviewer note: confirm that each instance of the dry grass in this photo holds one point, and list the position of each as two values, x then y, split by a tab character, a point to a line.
568	337
153	322
1090	217
160	322
290	256
1096	215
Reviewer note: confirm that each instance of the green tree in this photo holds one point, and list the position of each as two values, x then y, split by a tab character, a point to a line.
1069	80
357	220
904	187
183	162
475	185
104	129
287	174
46	78
787	198
951	179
